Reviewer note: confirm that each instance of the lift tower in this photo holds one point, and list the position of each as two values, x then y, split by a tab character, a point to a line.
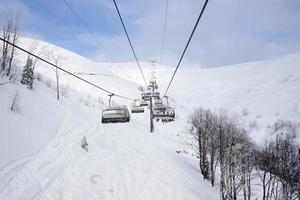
152	86
151	109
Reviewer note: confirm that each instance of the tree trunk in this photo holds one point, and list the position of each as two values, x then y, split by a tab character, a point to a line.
212	171
14	40
249	185
57	82
264	185
10	61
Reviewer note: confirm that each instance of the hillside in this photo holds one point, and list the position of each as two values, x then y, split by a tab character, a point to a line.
43	158
263	92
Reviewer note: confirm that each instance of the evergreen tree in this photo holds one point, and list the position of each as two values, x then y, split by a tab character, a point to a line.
27	75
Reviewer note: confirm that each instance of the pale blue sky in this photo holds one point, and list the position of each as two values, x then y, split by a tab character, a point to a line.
232	31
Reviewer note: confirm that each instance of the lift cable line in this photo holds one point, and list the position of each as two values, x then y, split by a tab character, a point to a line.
67	72
186	46
164	32
131	46
89	30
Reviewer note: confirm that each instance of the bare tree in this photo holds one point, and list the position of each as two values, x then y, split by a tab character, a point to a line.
200	130
279	161
15	33
57	59
57	72
246	167
10	32
213	146
38	50
222	142
14	105
6	34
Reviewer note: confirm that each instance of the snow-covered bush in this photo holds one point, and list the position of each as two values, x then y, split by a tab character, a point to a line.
84	144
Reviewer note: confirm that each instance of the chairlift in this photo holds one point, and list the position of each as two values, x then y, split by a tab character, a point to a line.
137	109
164	113
115	114
156	95
146	96
158	102
144	103
160	107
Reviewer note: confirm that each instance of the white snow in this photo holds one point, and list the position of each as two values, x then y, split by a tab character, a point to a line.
41	157
36	121
123	162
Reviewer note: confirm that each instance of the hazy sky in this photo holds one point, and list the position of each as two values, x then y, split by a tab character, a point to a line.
231	31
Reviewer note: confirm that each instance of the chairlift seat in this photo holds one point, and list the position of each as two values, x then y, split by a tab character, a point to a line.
115	114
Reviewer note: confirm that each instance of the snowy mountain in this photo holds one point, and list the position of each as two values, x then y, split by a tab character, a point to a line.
257	92
42	157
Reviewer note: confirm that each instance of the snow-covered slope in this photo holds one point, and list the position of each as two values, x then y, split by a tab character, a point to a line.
26	130
97	73
43	157
258	92
40	115
125	161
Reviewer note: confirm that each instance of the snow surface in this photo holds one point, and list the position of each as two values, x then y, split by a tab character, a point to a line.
41	157
36	121
124	161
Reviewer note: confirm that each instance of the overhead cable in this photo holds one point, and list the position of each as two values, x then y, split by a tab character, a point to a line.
164	32
100	44
186	46
131	46
67	72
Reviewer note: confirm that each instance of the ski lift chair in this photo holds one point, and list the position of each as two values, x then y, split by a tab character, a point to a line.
137	109
115	114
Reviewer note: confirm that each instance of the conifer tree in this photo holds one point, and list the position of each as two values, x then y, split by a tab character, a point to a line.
27	75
